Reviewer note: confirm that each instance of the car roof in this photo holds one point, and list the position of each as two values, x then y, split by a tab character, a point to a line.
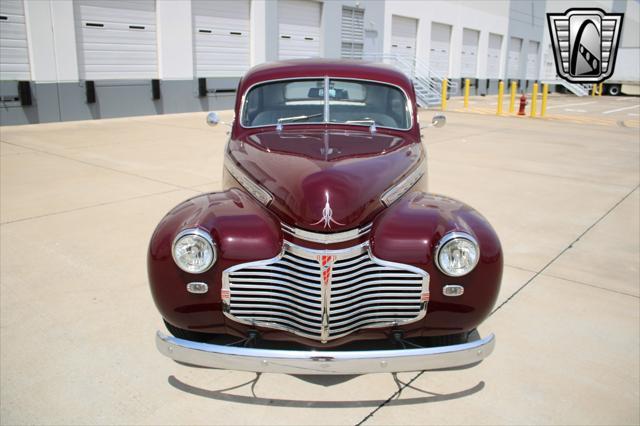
338	68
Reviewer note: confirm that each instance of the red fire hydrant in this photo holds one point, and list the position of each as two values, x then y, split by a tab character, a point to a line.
523	103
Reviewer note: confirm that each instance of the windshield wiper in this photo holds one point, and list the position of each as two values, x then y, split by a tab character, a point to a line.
370	122
298	117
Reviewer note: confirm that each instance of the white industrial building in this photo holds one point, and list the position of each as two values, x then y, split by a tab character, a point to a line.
81	59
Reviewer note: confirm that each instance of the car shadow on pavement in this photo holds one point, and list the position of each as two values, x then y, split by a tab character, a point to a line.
224	395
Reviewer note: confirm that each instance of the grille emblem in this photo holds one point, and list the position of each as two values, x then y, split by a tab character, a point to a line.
326	263
327	215
326	266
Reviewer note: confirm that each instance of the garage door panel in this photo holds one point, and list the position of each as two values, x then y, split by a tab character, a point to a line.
222	9
97	25
532	60
299	12
109	14
12	31
12	20
515	47
222	26
469	60
494	54
233	46
221	37
14	52
120	38
15	44
439	51
299	29
116	39
112	58
403	36
110	70
13	55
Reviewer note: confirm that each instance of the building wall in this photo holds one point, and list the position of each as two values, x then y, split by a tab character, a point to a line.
486	17
59	92
527	22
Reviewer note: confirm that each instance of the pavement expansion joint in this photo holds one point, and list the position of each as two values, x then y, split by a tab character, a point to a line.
564	250
88	163
591	285
25	219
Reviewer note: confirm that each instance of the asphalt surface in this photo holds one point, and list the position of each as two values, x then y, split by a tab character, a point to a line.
79	201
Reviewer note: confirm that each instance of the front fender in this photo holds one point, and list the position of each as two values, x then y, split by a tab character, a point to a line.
409	232
243	231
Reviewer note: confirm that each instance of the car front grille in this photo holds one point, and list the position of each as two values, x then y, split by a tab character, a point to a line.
323	294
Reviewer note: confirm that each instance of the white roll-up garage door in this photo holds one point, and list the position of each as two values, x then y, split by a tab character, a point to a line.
221	34
532	60
439	54
299	28
493	55
14	53
352	33
469	62
549	64
116	39
513	61
403	36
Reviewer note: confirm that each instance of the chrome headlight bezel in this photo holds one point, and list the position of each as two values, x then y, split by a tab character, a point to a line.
449	238
204	236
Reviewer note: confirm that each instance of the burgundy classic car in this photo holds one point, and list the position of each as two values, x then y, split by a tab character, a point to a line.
324	253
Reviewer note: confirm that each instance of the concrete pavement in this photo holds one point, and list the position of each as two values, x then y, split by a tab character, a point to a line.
78	203
621	111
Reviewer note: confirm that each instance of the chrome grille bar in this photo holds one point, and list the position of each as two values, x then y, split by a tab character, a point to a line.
324	294
332	238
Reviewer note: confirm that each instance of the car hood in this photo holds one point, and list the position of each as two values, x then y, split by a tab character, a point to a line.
325	181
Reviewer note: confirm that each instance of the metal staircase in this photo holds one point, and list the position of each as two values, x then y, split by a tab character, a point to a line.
428	84
576	89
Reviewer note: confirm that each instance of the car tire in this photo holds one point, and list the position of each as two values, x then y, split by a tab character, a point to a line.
613	89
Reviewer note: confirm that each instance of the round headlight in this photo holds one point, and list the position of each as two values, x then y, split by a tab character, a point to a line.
457	254
194	251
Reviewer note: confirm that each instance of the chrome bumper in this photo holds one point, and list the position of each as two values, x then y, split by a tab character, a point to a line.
323	362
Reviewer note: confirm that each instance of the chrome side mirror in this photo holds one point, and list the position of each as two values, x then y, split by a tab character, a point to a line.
213	119
438	121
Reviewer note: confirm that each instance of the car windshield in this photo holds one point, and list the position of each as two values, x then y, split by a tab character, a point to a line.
349	102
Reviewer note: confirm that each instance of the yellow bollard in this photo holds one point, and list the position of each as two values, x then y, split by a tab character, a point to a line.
543	107
500	94
512	102
593	89
467	82
534	98
600	89
444	94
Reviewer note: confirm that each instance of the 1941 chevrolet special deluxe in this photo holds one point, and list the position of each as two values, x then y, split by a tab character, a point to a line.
324	253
